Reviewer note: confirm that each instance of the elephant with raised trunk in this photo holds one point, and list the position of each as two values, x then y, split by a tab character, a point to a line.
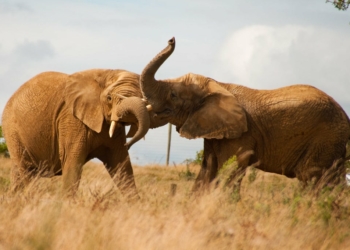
298	131
54	123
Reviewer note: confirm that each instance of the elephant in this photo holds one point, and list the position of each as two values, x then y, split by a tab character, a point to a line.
297	131
56	122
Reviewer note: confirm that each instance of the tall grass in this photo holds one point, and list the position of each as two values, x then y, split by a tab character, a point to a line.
273	212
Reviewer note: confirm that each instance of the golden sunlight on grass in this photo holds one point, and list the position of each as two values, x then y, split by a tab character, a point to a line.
270	212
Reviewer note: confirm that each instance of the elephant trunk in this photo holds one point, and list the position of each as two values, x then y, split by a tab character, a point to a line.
148	83
131	106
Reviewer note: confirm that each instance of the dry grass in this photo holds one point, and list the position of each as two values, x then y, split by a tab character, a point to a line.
271	212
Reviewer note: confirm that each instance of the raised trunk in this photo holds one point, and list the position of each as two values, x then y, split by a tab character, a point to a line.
136	107
148	83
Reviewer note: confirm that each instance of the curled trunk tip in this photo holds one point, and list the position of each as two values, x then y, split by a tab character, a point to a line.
172	41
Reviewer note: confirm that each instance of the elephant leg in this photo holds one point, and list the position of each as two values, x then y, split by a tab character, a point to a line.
323	163
208	169
74	148
22	171
71	175
243	150
245	159
119	167
20	177
72	158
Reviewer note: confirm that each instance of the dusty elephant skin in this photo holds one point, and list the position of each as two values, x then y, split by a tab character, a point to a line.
298	131
55	123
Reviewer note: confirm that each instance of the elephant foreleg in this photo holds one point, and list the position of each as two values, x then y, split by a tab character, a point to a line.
71	174
243	161
120	169
209	168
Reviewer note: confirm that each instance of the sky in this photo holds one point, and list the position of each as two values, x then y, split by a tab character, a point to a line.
259	44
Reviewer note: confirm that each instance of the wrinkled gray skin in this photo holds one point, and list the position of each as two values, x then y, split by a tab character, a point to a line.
297	131
54	123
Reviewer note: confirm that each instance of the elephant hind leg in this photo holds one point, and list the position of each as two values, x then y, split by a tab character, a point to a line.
20	178
23	168
332	176
23	172
323	164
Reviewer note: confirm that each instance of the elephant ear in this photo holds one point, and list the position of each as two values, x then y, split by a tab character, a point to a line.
219	116
82	96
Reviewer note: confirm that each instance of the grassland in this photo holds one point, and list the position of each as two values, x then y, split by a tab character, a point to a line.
269	212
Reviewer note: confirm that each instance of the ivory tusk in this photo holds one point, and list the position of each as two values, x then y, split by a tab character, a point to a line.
149	107
112	128
121	96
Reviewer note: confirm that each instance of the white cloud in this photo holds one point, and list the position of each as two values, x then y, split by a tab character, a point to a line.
266	57
36	51
11	8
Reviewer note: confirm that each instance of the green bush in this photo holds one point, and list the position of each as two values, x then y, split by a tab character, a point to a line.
199	157
197	161
188	175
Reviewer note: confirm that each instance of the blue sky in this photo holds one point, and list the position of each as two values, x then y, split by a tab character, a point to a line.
265	44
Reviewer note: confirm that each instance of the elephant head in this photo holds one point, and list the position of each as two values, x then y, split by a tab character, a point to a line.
97	97
199	106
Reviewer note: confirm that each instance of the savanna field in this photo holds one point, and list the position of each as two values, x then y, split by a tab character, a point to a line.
269	212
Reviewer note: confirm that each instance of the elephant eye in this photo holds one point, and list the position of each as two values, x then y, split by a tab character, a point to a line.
109	98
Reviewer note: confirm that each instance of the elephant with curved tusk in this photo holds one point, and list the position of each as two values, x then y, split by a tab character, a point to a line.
55	123
298	131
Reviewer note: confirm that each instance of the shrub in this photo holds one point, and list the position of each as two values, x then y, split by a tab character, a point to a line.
198	160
